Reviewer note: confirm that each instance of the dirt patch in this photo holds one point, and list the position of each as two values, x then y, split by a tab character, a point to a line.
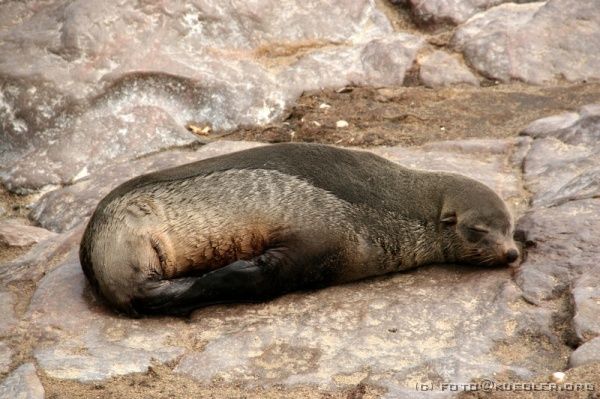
581	382
161	382
416	115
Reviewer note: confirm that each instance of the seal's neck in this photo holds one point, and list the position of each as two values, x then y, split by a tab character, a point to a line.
421	244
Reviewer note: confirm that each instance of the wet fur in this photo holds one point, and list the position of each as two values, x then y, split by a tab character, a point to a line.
257	223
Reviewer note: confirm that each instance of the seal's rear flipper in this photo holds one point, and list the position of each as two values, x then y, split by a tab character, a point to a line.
240	281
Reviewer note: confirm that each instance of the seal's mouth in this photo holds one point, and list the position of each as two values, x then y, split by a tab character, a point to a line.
493	258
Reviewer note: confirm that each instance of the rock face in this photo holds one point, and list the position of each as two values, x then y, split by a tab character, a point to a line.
76	96
534	42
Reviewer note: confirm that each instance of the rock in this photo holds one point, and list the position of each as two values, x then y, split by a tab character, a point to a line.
380	62
23	383
535	42
15	233
453	11
5	357
562	173
94	139
109	345
558	377
304	338
564	161
42	258
543	127
587	353
76	96
440	69
62	209
566	246
586	299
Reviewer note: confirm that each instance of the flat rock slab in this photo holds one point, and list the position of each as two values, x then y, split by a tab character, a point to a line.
566	246
401	329
82	340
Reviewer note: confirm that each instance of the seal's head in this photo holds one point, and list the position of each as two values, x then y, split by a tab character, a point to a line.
477	225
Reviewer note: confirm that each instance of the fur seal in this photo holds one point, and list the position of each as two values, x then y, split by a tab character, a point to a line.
252	225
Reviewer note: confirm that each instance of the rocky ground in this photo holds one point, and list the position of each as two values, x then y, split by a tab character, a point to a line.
94	93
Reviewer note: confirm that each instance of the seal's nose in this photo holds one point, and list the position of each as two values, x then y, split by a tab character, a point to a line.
511	255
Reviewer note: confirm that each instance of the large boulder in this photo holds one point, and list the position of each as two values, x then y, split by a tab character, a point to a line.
534	42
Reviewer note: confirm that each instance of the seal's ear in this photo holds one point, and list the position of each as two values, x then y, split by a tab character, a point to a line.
449	218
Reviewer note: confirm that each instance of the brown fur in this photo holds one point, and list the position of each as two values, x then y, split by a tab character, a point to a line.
301	214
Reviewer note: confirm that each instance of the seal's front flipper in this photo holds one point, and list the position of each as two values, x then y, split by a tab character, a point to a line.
240	281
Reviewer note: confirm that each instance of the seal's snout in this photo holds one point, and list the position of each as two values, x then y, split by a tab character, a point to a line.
512	255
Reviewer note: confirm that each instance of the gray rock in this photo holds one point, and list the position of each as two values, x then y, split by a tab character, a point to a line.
564	161
588	353
404	328
64	208
84	340
40	259
84	144
454	11
76	95
535	42
545	126
5	357
15	233
566	247
380	62
23	383
440	69
586	294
